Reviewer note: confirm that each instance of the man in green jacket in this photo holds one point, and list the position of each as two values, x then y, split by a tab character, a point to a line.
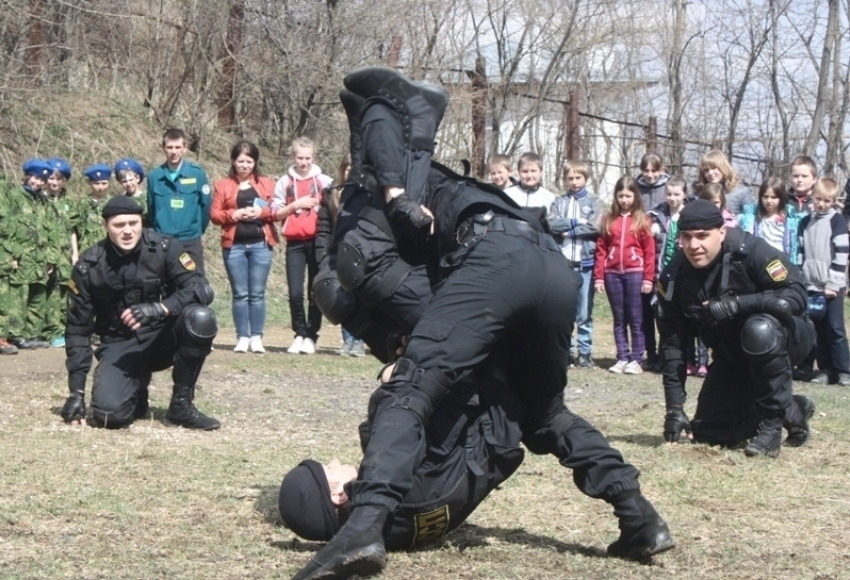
179	197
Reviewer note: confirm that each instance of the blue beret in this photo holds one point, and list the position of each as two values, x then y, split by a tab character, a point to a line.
98	172
60	165
132	165
38	168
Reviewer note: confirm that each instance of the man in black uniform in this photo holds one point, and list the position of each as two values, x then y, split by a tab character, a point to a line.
140	292
747	300
473	445
505	292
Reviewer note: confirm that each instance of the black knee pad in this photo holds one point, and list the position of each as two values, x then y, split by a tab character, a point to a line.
762	334
196	328
350	266
331	298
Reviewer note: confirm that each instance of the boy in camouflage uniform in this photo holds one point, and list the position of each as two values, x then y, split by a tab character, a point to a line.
130	174
29	224
88	225
57	289
5	268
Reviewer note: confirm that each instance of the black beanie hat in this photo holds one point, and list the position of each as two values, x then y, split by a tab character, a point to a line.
305	502
120	205
700	214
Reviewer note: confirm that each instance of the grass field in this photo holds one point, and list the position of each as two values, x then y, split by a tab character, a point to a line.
153	501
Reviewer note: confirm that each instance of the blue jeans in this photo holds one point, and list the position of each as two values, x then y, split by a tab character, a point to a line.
584	312
248	268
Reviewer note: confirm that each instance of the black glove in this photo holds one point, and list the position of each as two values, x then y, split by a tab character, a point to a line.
722	309
75	407
394	342
674	422
408	219
148	312
766	302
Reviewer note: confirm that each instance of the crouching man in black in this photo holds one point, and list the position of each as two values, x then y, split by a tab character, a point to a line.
747	300
141	293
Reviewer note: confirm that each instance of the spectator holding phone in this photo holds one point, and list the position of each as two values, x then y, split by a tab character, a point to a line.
242	207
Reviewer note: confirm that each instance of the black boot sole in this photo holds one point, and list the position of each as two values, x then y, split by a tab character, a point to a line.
188	425
661	543
367	561
756	452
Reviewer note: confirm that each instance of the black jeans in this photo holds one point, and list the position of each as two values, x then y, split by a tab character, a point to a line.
831	351
733	401
125	365
301	256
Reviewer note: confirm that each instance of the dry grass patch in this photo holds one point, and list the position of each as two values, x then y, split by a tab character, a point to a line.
153	501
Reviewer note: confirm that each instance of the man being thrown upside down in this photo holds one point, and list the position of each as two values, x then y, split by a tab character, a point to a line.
505	294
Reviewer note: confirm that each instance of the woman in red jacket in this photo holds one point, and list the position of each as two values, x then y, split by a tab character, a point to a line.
242	206
625	269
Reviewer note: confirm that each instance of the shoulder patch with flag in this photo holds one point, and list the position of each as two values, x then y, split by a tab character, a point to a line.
187	261
777	271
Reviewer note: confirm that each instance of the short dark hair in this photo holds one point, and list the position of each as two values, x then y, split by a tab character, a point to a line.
173	135
248	149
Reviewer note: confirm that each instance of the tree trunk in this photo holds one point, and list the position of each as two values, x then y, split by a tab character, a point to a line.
676	150
479	117
35	39
824	72
233	46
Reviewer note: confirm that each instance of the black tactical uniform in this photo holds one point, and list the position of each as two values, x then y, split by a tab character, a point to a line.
104	283
473	445
754	348
505	290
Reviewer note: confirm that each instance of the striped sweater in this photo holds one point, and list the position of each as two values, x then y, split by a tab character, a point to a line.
823	251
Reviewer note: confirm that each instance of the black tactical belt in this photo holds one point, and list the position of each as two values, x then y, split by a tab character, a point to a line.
488	222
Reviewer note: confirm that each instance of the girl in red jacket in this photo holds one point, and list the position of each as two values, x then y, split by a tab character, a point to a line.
625	269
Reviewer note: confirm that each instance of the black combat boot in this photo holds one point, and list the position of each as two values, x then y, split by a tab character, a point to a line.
797	421
182	411
356	550
420	106
643	533
768	439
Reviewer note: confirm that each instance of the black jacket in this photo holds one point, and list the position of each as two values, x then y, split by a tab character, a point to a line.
746	265
105	282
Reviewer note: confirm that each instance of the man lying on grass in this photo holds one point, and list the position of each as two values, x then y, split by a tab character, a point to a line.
473	445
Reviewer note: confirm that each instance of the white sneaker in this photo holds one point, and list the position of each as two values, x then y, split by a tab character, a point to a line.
241	344
633	368
296	345
257	344
619	367
308	346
